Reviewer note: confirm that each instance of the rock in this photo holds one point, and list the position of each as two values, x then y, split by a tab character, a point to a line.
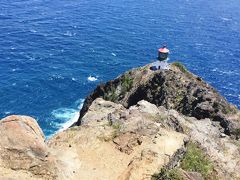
173	89
176	158
126	142
105	108
129	128
191	175
223	152
22	148
129	148
138	145
222	135
203	110
147	107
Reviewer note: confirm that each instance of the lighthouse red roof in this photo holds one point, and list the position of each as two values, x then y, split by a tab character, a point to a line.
163	50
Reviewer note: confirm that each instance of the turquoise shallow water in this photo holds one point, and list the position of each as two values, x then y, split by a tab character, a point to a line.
53	53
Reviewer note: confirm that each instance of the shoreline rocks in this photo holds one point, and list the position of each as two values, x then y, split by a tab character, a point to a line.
129	128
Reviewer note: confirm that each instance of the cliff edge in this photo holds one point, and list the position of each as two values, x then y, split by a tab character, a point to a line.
164	124
176	88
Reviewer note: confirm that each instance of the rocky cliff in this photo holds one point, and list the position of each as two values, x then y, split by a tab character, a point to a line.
175	88
165	124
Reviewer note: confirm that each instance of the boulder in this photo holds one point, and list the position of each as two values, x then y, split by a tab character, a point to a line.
22	147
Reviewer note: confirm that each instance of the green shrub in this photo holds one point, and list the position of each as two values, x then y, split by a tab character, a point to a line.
127	83
117	126
180	66
229	110
237	133
112	95
195	160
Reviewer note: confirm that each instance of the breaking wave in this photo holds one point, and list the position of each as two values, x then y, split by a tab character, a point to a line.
92	78
65	117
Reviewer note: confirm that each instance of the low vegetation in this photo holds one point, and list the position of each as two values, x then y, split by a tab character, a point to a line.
196	161
237	133
159	118
180	66
127	83
112	95
117	128
193	161
229	110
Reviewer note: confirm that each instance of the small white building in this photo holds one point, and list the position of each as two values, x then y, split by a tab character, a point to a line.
160	65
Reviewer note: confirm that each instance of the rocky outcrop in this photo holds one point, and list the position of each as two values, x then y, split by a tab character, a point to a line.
221	149
133	140
23	152
142	139
129	129
118	143
138	141
174	89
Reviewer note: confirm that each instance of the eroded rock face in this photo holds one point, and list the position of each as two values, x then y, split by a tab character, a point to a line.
134	130
172	89
118	143
22	148
139	141
114	143
223	151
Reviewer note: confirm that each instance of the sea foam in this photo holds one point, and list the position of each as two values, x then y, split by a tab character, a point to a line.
92	78
65	117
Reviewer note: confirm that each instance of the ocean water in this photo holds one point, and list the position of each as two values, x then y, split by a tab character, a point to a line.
54	53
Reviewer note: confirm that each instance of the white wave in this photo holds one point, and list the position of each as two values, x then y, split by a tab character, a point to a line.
63	114
70	122
79	103
114	54
56	76
225	19
73	79
228	72
215	69
7	112
92	78
70	34
32	30
67	116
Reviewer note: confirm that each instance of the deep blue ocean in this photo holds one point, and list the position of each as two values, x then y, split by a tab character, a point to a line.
54	53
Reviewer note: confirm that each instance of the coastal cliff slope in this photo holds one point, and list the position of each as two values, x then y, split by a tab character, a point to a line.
164	124
175	88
